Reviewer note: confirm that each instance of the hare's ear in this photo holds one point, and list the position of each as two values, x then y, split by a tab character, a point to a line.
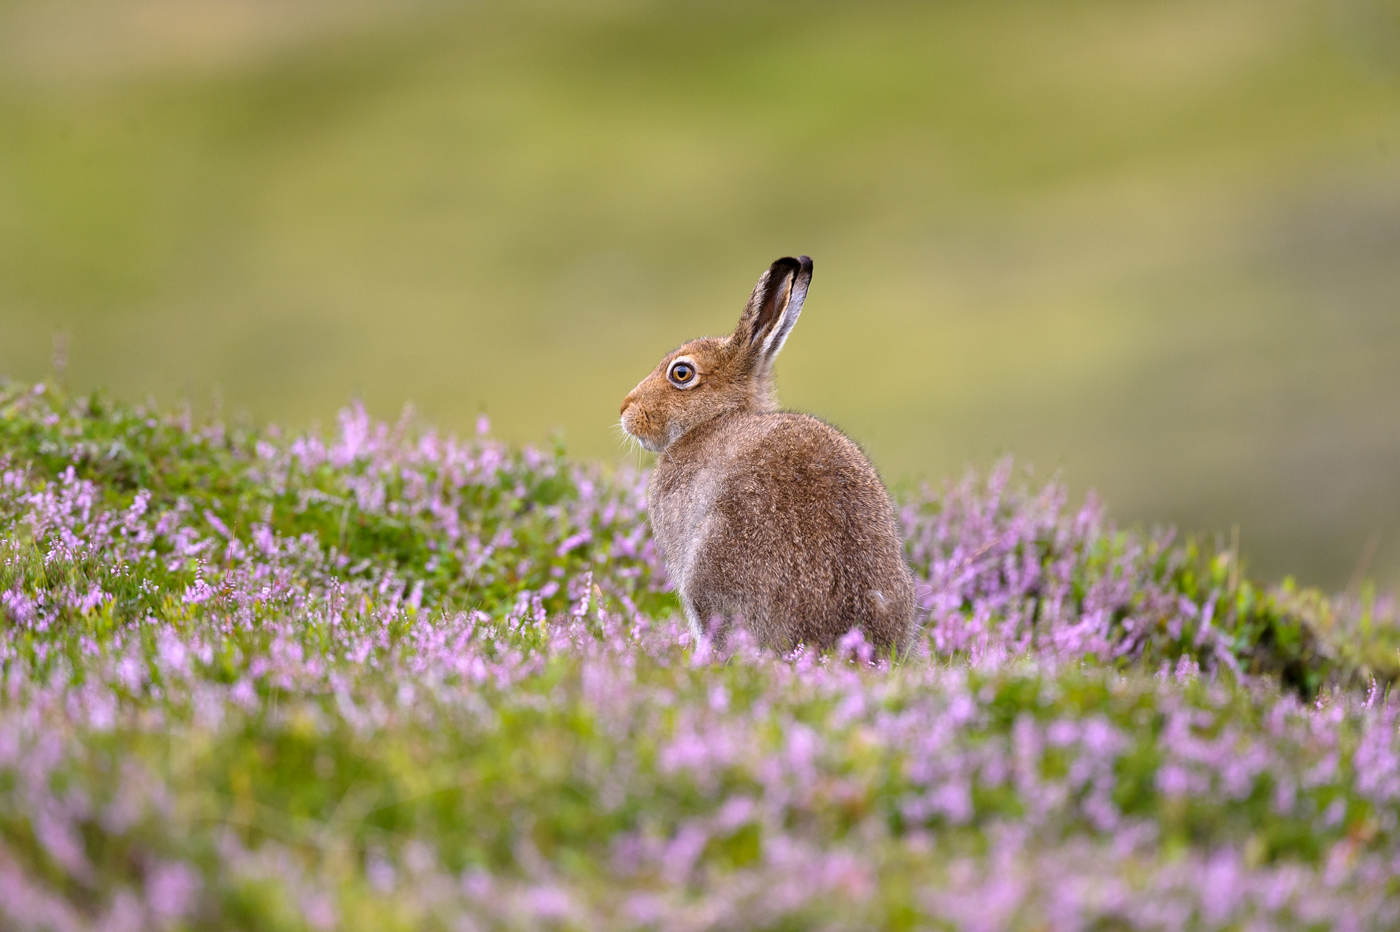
773	307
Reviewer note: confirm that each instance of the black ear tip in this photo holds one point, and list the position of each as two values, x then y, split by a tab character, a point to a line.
788	265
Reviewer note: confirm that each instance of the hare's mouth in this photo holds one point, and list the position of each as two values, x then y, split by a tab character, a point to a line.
633	429
651	444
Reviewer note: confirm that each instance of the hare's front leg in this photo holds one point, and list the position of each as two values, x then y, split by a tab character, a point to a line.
697	630
706	617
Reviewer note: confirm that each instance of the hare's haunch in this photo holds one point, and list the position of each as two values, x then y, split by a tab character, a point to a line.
766	518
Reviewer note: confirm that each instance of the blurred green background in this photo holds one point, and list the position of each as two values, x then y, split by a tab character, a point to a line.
1153	245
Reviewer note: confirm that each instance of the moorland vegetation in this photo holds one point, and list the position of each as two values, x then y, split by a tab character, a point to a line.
384	678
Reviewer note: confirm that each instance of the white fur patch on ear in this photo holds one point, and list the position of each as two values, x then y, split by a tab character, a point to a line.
778	333
773	343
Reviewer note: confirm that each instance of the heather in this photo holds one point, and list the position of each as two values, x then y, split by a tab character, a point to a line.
377	678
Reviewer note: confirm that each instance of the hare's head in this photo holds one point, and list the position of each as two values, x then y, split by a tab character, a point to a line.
716	375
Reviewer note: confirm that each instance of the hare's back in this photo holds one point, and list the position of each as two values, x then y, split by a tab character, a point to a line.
780	519
799	461
800	491
805	530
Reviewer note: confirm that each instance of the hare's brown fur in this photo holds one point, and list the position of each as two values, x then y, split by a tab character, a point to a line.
767	517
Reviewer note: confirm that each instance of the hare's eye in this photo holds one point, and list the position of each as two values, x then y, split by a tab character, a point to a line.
681	373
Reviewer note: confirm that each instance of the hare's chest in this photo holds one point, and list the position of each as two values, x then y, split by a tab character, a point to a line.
681	502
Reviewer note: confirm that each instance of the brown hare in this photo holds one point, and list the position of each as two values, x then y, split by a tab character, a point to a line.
768	518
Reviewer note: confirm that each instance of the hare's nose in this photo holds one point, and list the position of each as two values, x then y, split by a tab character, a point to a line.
626	403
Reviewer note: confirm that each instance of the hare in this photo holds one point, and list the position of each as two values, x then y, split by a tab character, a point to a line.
768	518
